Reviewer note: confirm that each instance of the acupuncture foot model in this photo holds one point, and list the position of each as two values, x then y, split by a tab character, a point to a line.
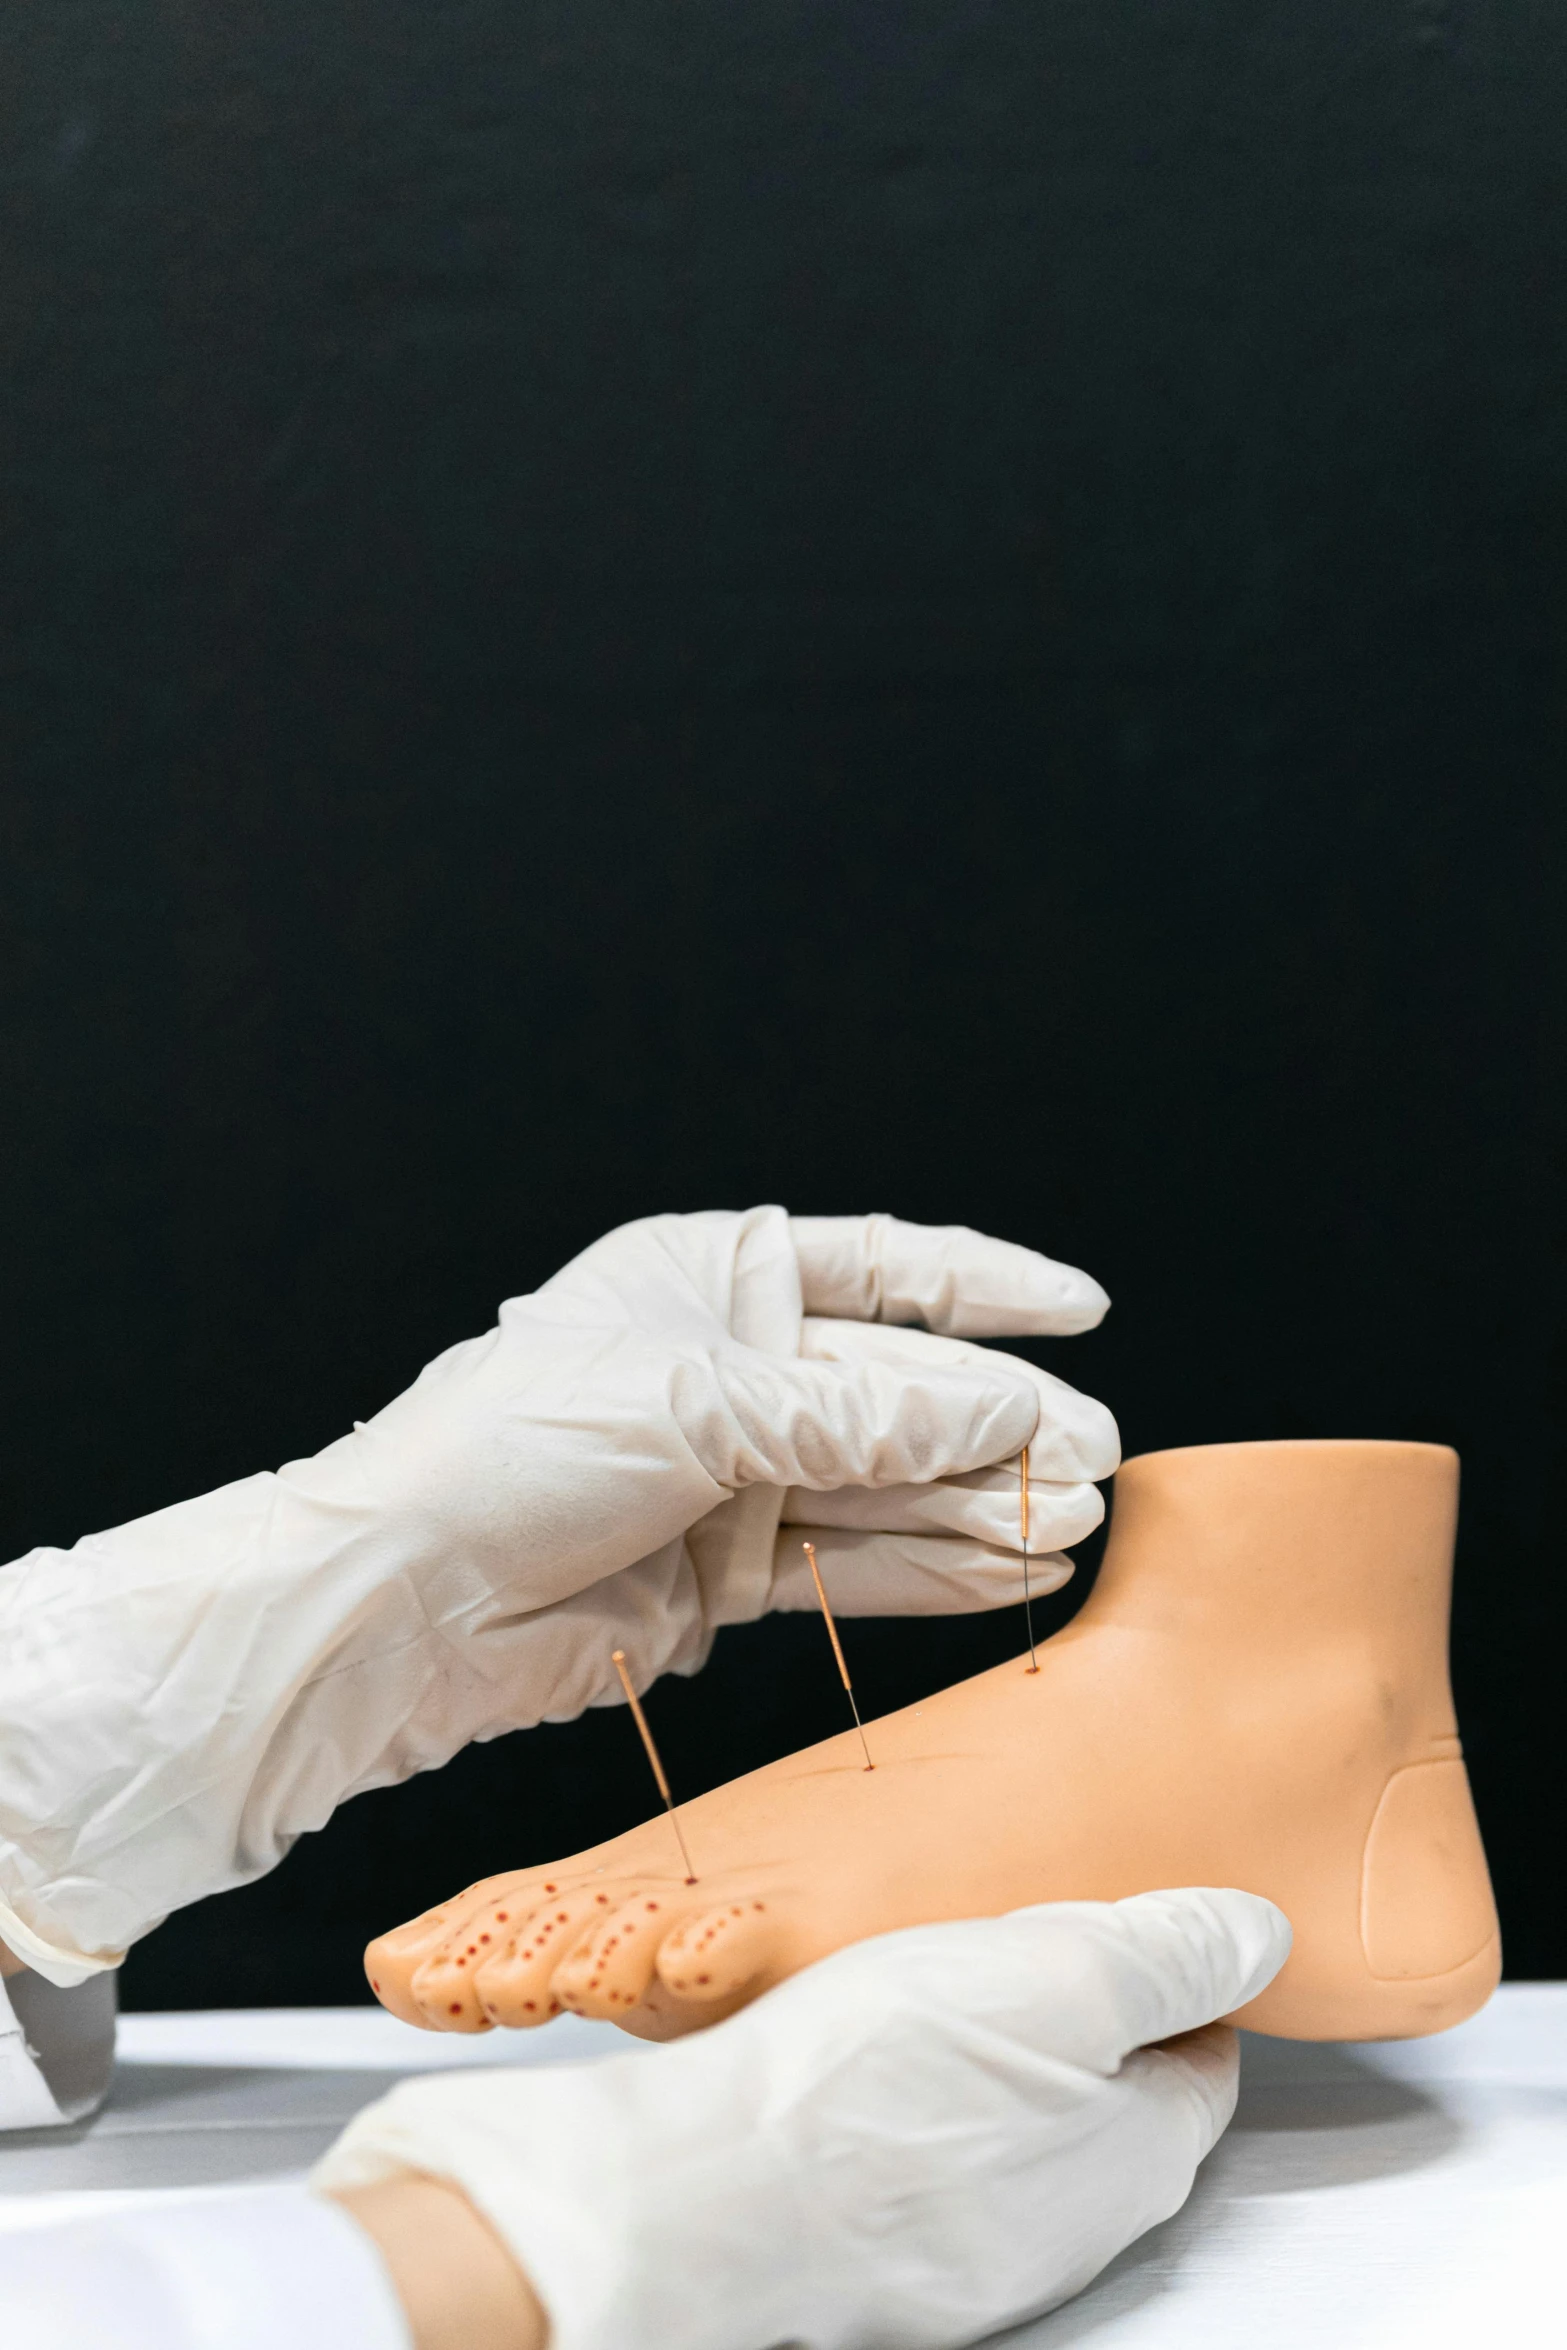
1255	1694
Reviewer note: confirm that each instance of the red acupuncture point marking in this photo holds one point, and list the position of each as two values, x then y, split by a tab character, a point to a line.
457	2007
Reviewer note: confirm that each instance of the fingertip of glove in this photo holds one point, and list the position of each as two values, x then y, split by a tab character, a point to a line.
1017	1411
1243	1937
1264	1938
1097	1439
1045	1297
1083	1304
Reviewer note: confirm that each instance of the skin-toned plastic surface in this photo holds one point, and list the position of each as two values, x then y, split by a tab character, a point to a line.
1256	1694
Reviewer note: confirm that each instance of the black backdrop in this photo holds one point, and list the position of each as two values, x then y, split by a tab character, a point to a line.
941	604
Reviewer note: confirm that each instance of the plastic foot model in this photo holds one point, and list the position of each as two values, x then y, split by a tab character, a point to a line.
1255	1694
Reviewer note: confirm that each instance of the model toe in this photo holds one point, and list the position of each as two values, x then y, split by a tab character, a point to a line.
717	1951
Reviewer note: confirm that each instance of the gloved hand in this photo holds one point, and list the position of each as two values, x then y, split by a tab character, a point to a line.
919	2140
182	1697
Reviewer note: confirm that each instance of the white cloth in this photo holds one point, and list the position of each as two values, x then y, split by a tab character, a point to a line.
260	2269
923	2138
184	1696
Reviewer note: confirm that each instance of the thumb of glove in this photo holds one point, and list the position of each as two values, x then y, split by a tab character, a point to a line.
1159	1964
786	1421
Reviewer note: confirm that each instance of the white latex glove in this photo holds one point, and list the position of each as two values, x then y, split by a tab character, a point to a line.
183	1697
923	2138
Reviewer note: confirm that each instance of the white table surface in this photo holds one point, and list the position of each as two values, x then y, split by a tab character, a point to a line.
1411	2196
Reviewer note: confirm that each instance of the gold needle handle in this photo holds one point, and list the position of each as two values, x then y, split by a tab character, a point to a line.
809	1549
832	1629
1028	1600
618	1660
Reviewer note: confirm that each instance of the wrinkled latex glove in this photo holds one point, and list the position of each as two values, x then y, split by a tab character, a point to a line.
924	2138
184	1696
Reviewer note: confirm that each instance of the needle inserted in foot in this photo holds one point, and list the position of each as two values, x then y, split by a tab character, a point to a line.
809	1549
618	1660
1028	1604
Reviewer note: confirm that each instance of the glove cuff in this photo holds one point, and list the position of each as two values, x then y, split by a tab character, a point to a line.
64	1968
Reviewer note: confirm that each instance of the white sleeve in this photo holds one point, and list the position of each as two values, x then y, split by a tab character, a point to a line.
264	2268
